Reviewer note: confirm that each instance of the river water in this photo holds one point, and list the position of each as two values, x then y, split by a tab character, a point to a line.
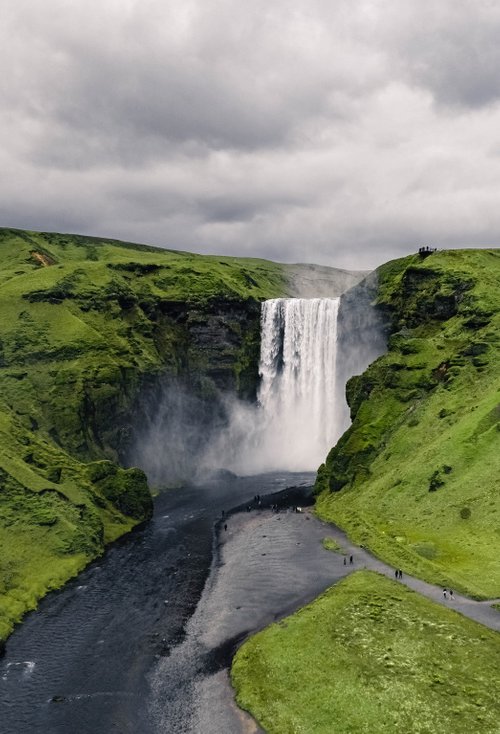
141	641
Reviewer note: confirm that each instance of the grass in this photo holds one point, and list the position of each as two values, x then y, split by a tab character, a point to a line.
331	545
86	324
370	656
418	470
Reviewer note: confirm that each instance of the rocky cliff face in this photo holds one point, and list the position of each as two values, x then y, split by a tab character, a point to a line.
204	350
177	411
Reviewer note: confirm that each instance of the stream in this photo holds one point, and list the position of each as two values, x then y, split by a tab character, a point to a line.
141	641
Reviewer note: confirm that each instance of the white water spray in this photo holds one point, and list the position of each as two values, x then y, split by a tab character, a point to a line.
294	424
307	356
298	380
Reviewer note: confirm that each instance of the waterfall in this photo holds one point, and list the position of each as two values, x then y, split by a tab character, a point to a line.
298	381
296	420
309	349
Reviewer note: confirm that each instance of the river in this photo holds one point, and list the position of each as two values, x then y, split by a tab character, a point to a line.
141	641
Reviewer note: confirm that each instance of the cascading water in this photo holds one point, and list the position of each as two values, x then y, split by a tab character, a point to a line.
309	350
296	420
298	381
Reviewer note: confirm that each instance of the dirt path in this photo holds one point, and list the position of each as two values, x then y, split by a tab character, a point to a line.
480	611
44	260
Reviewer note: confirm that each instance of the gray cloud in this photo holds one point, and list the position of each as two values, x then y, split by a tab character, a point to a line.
452	49
342	133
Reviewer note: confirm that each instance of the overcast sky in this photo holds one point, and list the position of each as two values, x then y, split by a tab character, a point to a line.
344	132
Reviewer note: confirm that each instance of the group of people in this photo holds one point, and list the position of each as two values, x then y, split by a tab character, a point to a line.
447	593
425	251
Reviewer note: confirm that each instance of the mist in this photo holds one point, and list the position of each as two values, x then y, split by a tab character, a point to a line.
361	338
309	350
179	424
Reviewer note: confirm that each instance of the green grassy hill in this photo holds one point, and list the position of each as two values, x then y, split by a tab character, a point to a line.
417	476
86	327
369	655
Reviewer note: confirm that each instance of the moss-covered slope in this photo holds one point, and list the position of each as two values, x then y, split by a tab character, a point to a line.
416	477
87	328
